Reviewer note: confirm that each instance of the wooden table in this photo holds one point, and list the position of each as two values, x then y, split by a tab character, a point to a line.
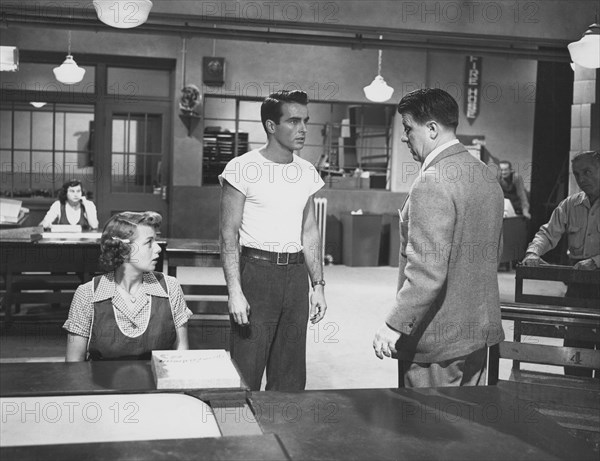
388	424
19	254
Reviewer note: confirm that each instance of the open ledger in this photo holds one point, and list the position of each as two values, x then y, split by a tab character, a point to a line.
194	369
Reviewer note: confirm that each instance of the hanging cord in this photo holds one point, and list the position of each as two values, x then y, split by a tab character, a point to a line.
183	63
380	58
214	42
69	44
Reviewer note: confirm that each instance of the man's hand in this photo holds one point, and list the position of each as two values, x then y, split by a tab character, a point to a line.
532	259
239	309
385	341
526	214
586	265
318	305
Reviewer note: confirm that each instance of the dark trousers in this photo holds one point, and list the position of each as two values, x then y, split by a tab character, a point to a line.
584	338
468	370
276	335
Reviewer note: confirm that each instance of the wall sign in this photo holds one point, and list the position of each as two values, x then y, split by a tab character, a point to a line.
473	87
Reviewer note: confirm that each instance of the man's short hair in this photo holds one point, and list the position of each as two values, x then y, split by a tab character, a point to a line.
430	104
506	162
271	106
593	155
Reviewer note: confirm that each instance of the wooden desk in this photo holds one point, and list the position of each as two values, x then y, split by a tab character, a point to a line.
445	423
209	328
112	385
514	239
191	252
459	423
19	254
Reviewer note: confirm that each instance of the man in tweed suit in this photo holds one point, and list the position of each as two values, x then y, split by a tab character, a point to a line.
447	308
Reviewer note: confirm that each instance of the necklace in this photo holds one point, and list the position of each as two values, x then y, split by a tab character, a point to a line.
132	296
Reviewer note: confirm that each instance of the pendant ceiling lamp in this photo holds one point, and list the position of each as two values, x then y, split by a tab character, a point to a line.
69	72
123	14
378	90
586	51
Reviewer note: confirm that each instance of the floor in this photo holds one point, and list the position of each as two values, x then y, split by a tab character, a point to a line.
339	348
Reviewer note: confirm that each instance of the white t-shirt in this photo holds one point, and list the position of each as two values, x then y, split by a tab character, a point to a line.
276	194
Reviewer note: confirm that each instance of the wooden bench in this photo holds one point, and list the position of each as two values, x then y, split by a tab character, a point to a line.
565	274
574	402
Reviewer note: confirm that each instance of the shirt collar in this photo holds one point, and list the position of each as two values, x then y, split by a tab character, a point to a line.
437	151
107	287
583	199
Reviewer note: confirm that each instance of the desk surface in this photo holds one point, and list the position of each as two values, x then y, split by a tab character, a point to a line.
436	423
446	423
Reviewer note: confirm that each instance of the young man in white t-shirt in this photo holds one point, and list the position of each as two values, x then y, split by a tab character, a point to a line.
270	245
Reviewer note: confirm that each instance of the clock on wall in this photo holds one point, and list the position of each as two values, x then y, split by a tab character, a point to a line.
213	71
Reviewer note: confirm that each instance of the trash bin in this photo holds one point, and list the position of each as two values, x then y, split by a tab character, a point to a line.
361	237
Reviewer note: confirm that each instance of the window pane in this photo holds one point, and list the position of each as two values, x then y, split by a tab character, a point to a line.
42	127
23	133
6	124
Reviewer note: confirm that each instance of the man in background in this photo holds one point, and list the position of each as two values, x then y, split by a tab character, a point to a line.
577	217
447	308
513	187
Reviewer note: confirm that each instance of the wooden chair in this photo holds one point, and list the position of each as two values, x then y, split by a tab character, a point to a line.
574	402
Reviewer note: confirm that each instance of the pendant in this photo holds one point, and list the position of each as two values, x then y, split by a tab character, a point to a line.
133	299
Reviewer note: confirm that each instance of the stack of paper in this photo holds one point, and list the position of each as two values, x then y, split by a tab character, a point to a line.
194	369
10	210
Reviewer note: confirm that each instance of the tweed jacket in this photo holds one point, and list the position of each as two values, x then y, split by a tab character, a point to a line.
447	302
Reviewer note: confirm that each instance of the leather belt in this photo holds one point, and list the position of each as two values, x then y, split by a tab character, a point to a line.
281	259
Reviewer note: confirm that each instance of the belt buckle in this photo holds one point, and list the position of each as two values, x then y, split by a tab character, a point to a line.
287	259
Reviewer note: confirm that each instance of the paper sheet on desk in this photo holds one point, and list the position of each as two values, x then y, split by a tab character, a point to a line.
104	418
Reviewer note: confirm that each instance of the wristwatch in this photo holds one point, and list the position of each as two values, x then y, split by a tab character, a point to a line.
318	282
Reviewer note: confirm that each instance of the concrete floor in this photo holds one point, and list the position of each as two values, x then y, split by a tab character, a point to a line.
339	348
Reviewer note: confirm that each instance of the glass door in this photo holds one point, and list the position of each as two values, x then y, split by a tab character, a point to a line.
137	144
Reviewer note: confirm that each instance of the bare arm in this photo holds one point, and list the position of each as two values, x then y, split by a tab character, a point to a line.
91	212
232	207
76	348
182	338
311	241
52	214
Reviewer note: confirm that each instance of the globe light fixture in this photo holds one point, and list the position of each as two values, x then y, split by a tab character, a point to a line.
38	105
586	51
123	14
69	72
378	90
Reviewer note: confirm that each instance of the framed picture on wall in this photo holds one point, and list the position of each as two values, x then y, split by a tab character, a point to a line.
213	71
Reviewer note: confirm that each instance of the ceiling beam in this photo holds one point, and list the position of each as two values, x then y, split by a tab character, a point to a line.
291	32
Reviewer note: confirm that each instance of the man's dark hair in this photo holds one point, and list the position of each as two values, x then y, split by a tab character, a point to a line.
430	104
593	155
271	106
506	162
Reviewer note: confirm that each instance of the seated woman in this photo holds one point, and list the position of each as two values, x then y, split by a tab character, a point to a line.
72	207
130	311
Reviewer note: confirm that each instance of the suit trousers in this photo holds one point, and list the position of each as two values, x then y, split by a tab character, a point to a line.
275	338
468	370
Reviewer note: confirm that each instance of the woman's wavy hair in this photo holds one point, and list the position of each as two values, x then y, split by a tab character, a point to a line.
119	232
62	192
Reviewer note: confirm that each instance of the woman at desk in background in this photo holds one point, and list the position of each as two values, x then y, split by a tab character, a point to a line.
131	310
72	207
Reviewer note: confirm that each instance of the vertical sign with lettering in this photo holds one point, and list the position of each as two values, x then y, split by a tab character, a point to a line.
473	87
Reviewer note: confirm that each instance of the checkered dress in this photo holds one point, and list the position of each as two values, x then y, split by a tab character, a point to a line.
131	322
